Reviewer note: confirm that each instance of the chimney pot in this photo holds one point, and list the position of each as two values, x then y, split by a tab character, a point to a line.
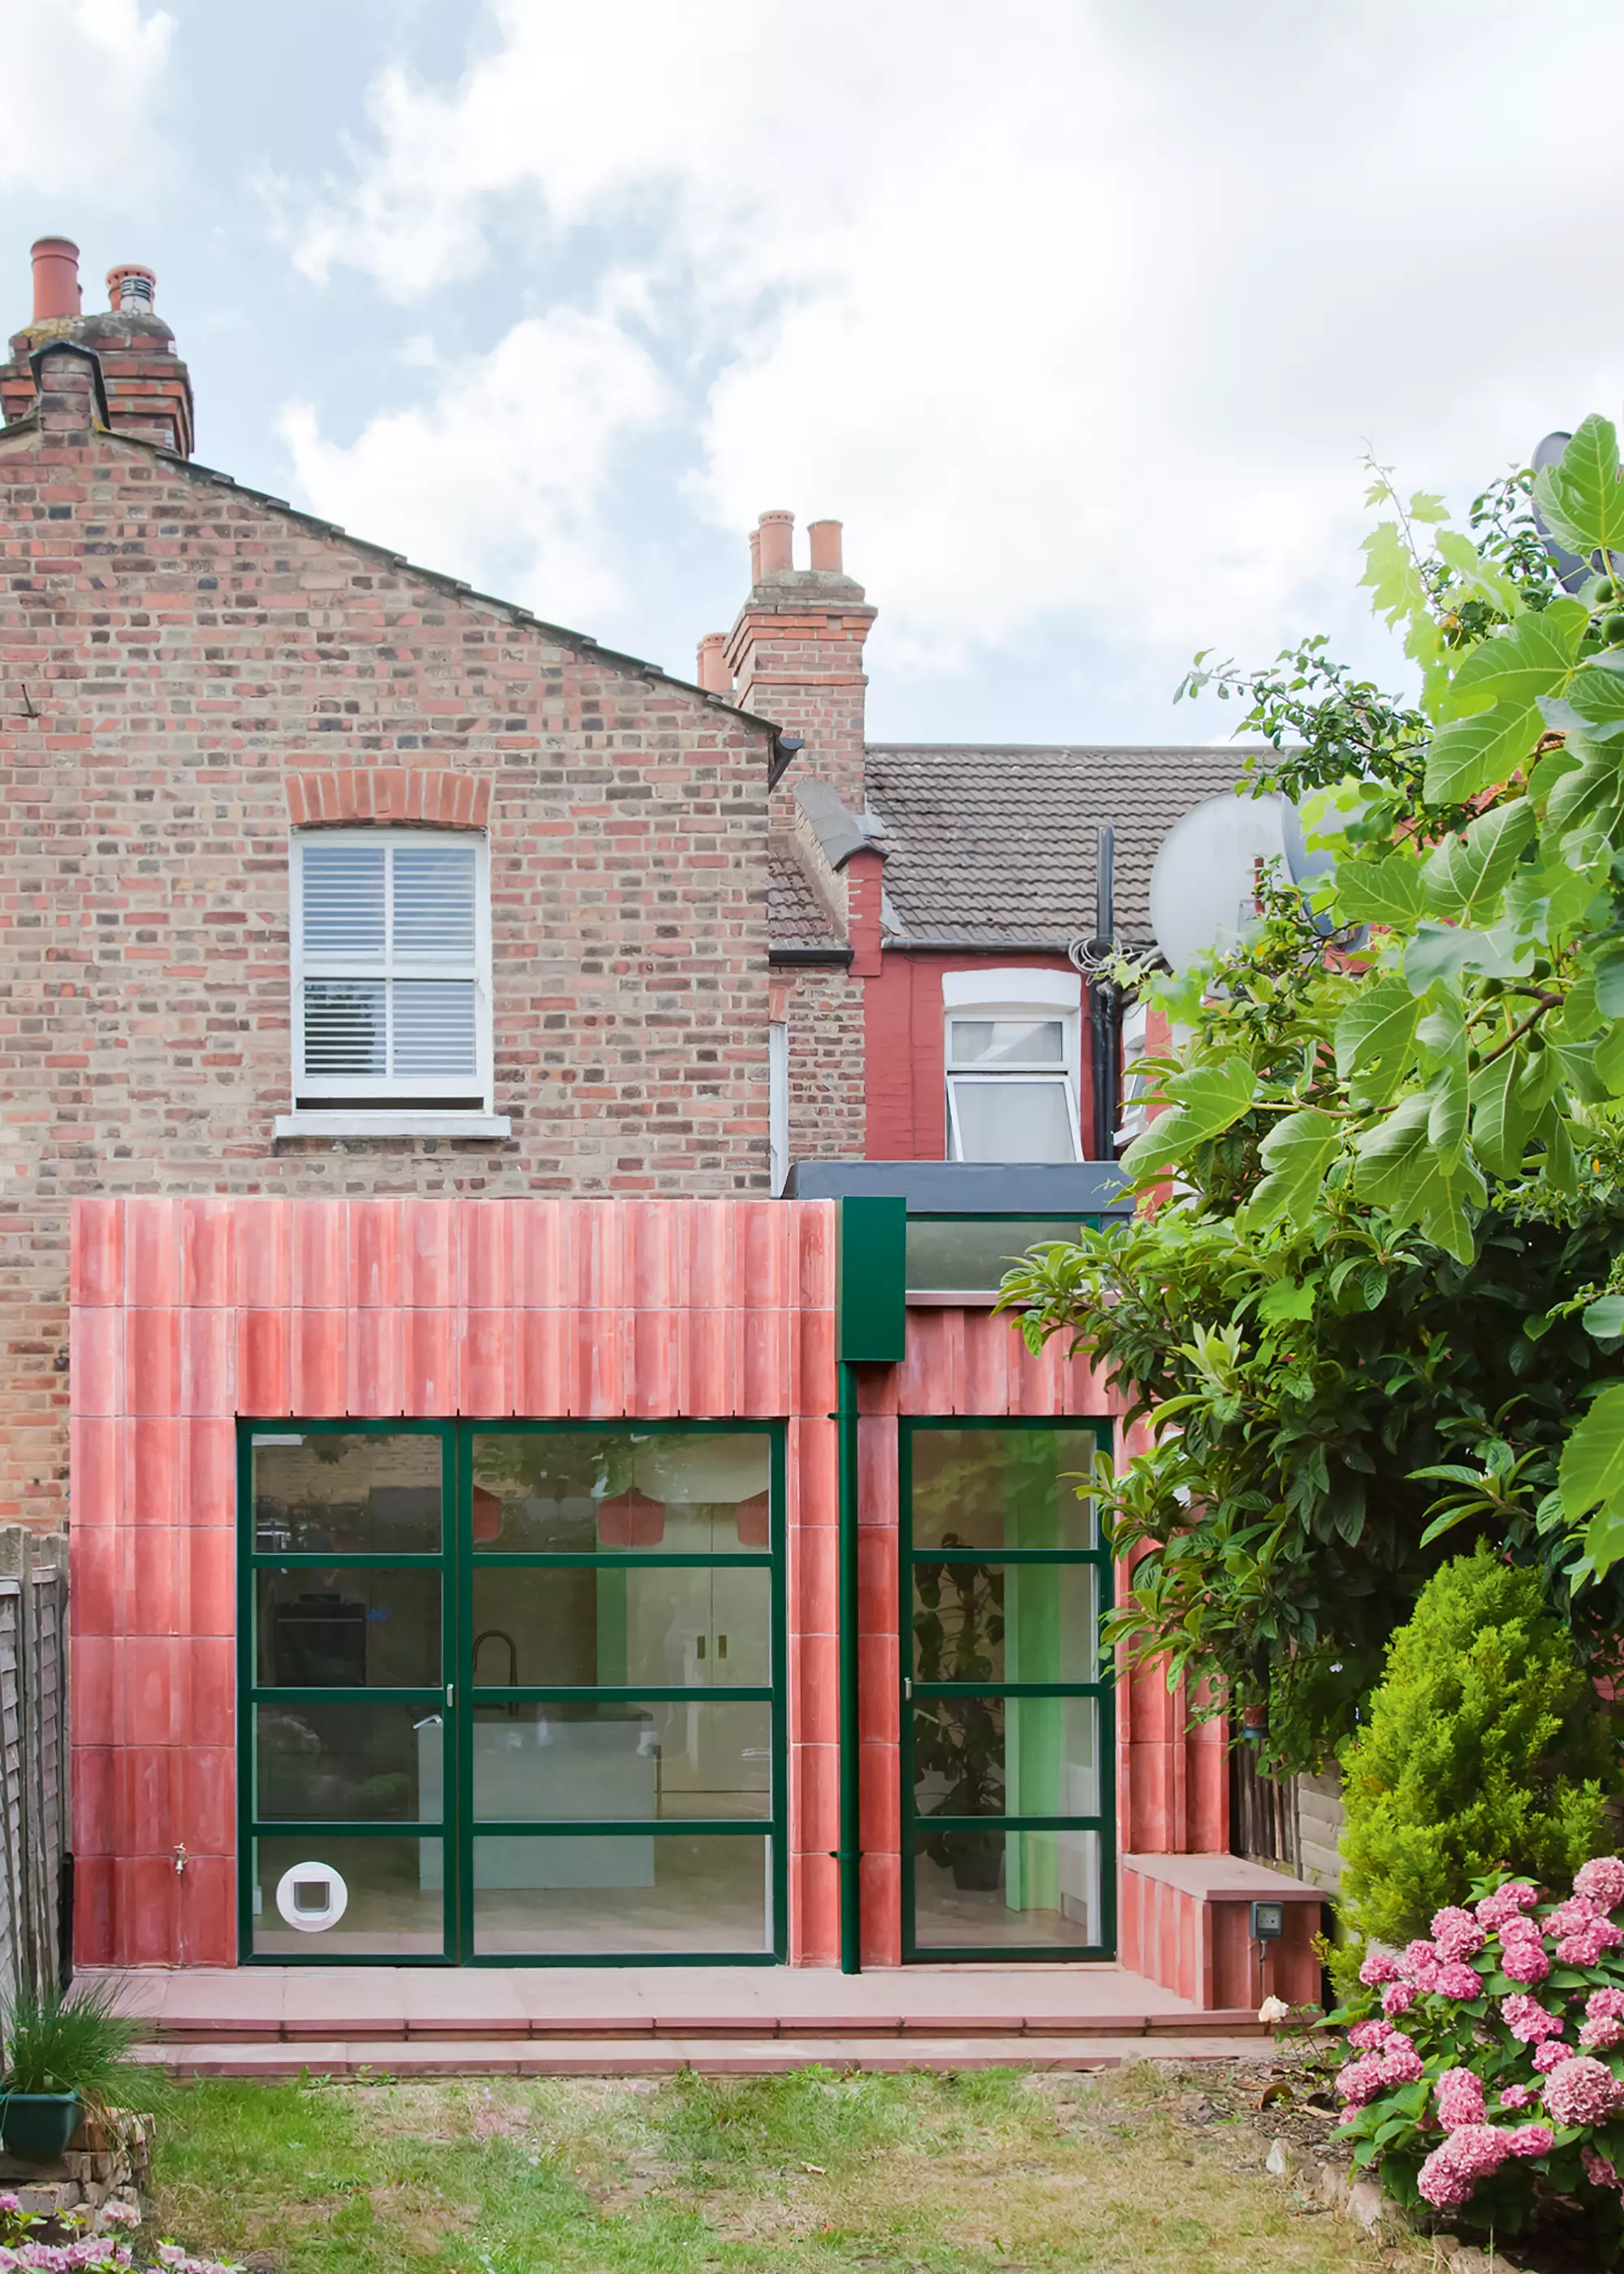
755	556
132	287
714	675
824	536
778	557
55	279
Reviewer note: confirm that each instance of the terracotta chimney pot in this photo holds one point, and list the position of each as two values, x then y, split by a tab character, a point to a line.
778	557
714	675
131	286
55	279
755	556
825	541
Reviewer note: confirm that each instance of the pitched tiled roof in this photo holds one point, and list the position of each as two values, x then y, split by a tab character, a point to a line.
796	913
995	846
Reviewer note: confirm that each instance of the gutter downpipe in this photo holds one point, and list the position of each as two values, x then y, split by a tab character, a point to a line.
849	1853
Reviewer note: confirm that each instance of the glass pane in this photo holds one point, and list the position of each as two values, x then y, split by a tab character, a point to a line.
434	903
1002	1489
585	1628
1006	1756
992	1622
434	1032
324	1492
1013	1120
1006	1890
332	1629
578	1759
975	1256
648	1895
365	1763
688	1492
343	902
356	1898
1007	1042
344	1028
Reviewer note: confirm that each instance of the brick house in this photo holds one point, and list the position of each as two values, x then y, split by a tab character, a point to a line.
497	1518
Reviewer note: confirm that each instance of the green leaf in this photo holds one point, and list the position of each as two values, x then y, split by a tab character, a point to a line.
1605	1317
1592	790
1581	498
1442	951
1295	1153
1467	875
1592	705
1399	1169
1591	1474
1206	1100
1530	657
1446	1119
1609	1059
1287	1299
1608	973
1503	1115
1386	891
1376	1040
1491	584
1475	754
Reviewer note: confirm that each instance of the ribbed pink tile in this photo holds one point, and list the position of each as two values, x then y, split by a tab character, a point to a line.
95	1805
655	1378
542	1388
96	1268
376	1376
94	1668
428	1254
484	1237
814	1909
816	1384
153	1701
763	1371
96	1356
813	1462
208	1362
377	1236
932	1373
210	1553
264	1244
815	1786
206	1799
817	1674
208	1466
708	1390
146	1799
431	1374
264	1363
486	1354
814	1222
321	1254
882	1910
96	1470
600	1363
652	1232
207	1707
879	1805
878	1688
145	1895
877	1391
992	1351
153	1598
813	1561
152	1362
319	1373
157	1487
598	1276
877	1580
711	1283
206	1273
761	1248
152	1252
96	1562
206	1909
93	1908
541	1255
877	1470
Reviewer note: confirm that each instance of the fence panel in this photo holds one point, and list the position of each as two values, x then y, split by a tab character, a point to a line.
33	1612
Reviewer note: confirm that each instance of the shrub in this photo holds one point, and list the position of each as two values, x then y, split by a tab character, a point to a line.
1486	1751
22	2244
1488	2068
67	2041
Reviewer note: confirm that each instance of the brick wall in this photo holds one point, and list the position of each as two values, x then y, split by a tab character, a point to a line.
171	649
828	1112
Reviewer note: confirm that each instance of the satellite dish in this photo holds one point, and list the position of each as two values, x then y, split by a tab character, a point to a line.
1204	885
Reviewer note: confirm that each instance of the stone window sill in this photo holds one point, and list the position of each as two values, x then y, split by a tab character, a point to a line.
393	1125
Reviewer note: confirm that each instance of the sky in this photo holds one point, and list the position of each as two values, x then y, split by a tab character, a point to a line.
1082	315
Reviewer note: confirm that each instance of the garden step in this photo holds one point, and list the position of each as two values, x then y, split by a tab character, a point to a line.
379	2028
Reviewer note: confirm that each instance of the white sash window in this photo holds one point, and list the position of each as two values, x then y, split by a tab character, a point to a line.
391	937
1012	1048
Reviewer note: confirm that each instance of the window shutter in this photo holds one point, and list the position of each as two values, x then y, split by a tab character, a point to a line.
344	903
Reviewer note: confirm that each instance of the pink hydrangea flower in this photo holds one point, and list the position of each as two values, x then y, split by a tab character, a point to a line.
1516	2096
1360	2081
1443	2183
1608	2002
1451	2173
1456	1980
1528	2019
1551	2055
1523	1959
1399	2061
1398	1997
1602	2034
1530	2140
1366	2036
1456	1934
1418	1963
1506	1903
1577	1910
1602	1881
1379	1966
1581	2091
1459	2098
1598	2170
1584	1945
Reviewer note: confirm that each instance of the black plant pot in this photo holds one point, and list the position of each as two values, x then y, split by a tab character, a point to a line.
36	2126
975	1860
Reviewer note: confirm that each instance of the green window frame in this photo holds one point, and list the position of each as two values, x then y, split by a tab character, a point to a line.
912	1692
456	1697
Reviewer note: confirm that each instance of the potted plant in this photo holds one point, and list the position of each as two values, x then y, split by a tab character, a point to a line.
959	1636
64	2053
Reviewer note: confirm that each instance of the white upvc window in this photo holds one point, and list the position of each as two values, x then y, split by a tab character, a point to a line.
1133	1115
1013	1052
391	957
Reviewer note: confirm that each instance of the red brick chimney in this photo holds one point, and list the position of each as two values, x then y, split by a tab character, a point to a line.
147	387
795	652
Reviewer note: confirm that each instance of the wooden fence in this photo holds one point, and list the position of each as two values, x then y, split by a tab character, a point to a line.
33	1755
1293	1823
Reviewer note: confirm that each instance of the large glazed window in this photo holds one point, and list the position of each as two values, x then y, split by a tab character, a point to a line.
391	953
511	1692
1007	1847
1012	1047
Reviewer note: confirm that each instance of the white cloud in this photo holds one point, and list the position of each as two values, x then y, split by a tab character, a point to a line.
82	78
1076	314
500	476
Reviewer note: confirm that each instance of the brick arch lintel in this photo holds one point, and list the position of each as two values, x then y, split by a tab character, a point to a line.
338	798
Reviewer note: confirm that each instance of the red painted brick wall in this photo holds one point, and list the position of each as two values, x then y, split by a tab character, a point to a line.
828	1112
170	650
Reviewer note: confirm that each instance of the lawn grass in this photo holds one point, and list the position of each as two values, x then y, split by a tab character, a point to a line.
991	2171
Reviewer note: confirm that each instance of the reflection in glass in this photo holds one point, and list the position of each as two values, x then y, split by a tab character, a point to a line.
347	1627
391	1909
580	1628
649	1895
999	1890
995	1622
996	1489
1005	1756
317	1492
582	1758
691	1491
367	1763
945	1253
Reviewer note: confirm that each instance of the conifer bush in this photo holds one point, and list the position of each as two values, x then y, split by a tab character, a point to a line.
1486	1750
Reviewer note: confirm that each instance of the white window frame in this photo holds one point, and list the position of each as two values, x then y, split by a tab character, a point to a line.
382	1105
1134	1109
1015	993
